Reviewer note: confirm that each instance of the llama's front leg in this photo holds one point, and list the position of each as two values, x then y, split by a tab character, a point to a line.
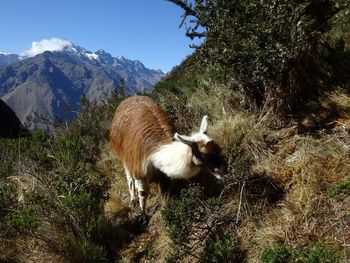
143	190
131	185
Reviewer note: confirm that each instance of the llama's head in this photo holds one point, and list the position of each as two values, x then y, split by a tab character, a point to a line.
206	152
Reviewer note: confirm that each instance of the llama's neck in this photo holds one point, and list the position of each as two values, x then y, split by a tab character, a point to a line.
174	160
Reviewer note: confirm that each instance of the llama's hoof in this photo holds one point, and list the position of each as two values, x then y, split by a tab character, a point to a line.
143	220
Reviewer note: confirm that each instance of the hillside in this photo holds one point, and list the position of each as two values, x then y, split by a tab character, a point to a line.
10	125
278	102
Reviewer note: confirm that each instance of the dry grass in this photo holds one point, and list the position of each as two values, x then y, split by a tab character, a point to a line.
147	244
301	166
37	251
306	167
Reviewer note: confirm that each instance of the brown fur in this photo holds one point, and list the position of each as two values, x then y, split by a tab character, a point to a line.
139	126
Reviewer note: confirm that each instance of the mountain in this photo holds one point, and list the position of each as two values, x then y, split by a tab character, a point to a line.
6	59
10	126
49	85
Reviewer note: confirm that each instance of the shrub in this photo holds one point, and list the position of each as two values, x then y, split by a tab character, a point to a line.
24	220
277	254
64	205
274	52
7	187
222	248
316	253
199	228
341	189
180	213
85	251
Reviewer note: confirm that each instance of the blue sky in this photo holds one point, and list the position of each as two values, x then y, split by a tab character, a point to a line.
147	30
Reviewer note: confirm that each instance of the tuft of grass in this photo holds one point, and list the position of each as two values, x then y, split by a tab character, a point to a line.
85	251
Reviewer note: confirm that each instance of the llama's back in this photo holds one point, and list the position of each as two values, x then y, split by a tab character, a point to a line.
138	127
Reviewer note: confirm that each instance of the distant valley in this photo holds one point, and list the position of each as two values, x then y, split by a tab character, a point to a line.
50	84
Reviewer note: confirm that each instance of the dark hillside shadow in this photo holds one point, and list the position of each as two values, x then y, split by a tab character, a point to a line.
322	115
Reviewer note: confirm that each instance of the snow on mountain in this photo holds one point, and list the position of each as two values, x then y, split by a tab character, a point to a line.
7	58
53	74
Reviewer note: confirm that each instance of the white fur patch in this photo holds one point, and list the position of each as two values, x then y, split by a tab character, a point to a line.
201	137
175	160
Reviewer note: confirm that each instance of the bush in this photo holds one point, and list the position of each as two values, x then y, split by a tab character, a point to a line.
316	253
7	187
341	189
223	248
66	190
277	254
25	220
85	251
274	52
180	213
199	229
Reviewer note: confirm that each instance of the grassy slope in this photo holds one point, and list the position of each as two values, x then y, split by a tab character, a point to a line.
287	195
292	196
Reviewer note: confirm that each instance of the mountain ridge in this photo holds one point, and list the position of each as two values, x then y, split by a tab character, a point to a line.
51	82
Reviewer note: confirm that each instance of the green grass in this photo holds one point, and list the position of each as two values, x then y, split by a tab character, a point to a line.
24	220
341	189
317	253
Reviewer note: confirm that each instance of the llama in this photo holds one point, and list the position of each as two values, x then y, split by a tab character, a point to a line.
144	139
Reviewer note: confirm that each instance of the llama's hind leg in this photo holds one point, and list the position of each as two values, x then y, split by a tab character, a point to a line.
143	191
132	189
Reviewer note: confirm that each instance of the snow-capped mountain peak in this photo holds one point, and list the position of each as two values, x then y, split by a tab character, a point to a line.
53	74
61	45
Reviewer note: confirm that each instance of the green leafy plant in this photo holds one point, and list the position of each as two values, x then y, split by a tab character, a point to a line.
179	213
273	52
24	220
223	248
341	189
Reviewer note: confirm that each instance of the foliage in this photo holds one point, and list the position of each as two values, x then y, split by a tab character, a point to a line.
85	251
171	257
7	188
193	223
53	184
222	249
272	51
178	214
239	163
341	189
316	253
26	220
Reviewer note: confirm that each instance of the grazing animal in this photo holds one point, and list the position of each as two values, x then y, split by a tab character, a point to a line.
144	139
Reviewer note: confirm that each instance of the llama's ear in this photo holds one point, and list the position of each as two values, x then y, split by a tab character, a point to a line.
204	125
184	139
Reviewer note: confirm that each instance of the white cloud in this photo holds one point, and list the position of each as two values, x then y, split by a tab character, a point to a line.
53	44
